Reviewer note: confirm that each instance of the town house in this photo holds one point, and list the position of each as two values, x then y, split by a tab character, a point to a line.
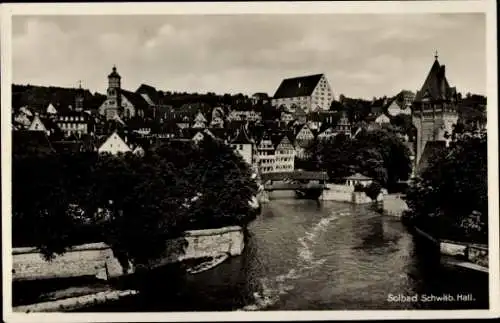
284	154
265	154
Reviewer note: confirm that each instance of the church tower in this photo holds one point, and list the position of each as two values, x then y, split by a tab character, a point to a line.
79	98
113	94
434	110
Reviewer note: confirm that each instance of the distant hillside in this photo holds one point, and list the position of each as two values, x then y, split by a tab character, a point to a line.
39	97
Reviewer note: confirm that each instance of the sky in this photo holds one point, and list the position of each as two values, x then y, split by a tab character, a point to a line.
362	55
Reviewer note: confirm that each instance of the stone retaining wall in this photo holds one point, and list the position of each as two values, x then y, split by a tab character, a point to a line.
360	198
97	259
344	193
476	254
394	205
339	193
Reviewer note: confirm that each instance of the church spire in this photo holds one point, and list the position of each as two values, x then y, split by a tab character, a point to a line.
436	55
79	97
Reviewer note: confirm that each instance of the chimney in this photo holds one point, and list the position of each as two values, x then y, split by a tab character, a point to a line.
442	70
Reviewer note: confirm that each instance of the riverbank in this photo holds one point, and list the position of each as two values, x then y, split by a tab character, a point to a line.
453	254
456	254
91	273
304	255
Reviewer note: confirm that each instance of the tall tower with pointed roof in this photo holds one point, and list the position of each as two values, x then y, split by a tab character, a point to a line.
434	109
79	98
114	95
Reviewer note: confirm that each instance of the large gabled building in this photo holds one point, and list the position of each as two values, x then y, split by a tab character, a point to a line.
311	93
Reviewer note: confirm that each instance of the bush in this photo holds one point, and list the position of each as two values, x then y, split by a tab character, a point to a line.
359	188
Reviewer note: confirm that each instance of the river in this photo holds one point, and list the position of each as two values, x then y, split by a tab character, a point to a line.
305	255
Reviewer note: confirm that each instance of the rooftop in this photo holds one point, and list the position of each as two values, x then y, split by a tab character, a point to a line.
297	86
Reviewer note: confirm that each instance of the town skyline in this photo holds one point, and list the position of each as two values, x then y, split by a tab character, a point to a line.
250	53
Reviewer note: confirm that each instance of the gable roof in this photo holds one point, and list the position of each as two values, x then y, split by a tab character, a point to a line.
94	102
359	177
436	85
241	137
136	99
150	91
114	134
297	86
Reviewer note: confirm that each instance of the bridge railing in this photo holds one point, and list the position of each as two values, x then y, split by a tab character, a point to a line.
296	175
292	186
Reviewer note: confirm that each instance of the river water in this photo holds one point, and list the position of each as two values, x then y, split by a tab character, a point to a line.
306	255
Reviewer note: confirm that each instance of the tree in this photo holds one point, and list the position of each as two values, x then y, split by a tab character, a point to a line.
403	122
373	190
379	154
39	204
451	196
135	204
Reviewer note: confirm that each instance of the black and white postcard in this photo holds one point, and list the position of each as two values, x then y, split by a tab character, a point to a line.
249	161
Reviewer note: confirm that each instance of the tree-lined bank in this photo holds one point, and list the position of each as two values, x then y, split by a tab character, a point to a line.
133	203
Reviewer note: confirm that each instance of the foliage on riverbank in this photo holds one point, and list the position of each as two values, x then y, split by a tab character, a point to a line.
450	198
132	203
380	154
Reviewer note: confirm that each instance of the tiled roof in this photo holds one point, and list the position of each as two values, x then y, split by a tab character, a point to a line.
359	177
297	86
277	137
94	102
50	125
150	91
136	99
436	85
220	133
242	137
